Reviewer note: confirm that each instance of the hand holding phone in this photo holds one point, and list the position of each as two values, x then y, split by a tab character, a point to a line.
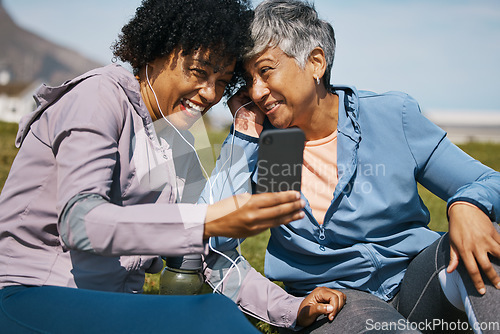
279	166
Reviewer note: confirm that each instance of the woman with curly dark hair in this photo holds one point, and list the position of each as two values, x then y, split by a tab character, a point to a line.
105	177
160	27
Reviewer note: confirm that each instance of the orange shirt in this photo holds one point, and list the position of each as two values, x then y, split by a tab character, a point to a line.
320	174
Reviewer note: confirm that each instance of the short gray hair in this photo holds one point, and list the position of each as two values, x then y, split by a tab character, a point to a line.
294	27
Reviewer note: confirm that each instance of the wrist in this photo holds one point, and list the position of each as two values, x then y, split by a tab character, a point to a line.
460	203
488	212
210	217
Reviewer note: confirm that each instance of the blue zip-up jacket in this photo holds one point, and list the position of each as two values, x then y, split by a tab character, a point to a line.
376	223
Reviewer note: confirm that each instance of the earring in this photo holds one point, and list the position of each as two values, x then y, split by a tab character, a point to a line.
317	81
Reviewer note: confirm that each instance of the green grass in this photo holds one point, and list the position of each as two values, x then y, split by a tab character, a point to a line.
254	248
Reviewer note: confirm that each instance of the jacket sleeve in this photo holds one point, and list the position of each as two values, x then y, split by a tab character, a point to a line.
234	168
445	169
254	294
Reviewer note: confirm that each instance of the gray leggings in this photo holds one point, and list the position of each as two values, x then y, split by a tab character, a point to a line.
420	306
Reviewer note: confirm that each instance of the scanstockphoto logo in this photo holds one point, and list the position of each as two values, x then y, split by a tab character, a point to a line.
435	325
363	183
274	177
283	177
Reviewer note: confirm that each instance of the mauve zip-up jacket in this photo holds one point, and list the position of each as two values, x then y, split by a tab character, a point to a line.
98	191
376	222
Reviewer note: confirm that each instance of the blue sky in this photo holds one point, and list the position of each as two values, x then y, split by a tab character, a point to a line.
445	53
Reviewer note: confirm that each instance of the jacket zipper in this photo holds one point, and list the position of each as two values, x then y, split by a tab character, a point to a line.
321	232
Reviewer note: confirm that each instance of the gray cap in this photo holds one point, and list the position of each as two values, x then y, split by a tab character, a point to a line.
186	262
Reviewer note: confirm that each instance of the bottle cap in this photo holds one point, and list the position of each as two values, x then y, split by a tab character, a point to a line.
186	262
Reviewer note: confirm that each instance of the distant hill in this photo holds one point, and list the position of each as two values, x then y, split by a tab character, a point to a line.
28	57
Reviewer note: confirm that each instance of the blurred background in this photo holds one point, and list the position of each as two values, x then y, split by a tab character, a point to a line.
444	53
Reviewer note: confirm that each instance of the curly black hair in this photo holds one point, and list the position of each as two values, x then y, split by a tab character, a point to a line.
161	26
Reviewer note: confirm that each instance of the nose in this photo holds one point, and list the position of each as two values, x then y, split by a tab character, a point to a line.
208	93
258	90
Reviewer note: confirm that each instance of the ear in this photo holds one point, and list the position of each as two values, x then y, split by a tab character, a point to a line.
155	66
149	71
317	61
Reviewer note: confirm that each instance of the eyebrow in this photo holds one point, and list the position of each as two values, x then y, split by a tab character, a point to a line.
263	60
215	68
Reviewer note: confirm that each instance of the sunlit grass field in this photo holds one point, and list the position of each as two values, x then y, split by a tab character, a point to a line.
254	248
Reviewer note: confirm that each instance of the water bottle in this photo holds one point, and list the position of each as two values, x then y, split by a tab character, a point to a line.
182	276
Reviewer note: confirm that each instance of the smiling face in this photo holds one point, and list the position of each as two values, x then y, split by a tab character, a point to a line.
284	91
186	87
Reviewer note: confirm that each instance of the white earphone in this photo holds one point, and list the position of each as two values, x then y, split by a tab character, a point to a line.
234	263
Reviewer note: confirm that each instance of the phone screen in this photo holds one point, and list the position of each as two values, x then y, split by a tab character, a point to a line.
279	166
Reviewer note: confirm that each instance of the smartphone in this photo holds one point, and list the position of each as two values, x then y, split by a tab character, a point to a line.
280	157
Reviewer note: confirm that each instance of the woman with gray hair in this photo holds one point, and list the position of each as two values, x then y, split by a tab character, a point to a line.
365	231
296	39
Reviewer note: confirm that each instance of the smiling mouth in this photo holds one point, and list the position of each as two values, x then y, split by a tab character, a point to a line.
271	107
191	108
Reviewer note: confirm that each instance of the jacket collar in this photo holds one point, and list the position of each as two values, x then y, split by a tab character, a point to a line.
348	112
348	139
